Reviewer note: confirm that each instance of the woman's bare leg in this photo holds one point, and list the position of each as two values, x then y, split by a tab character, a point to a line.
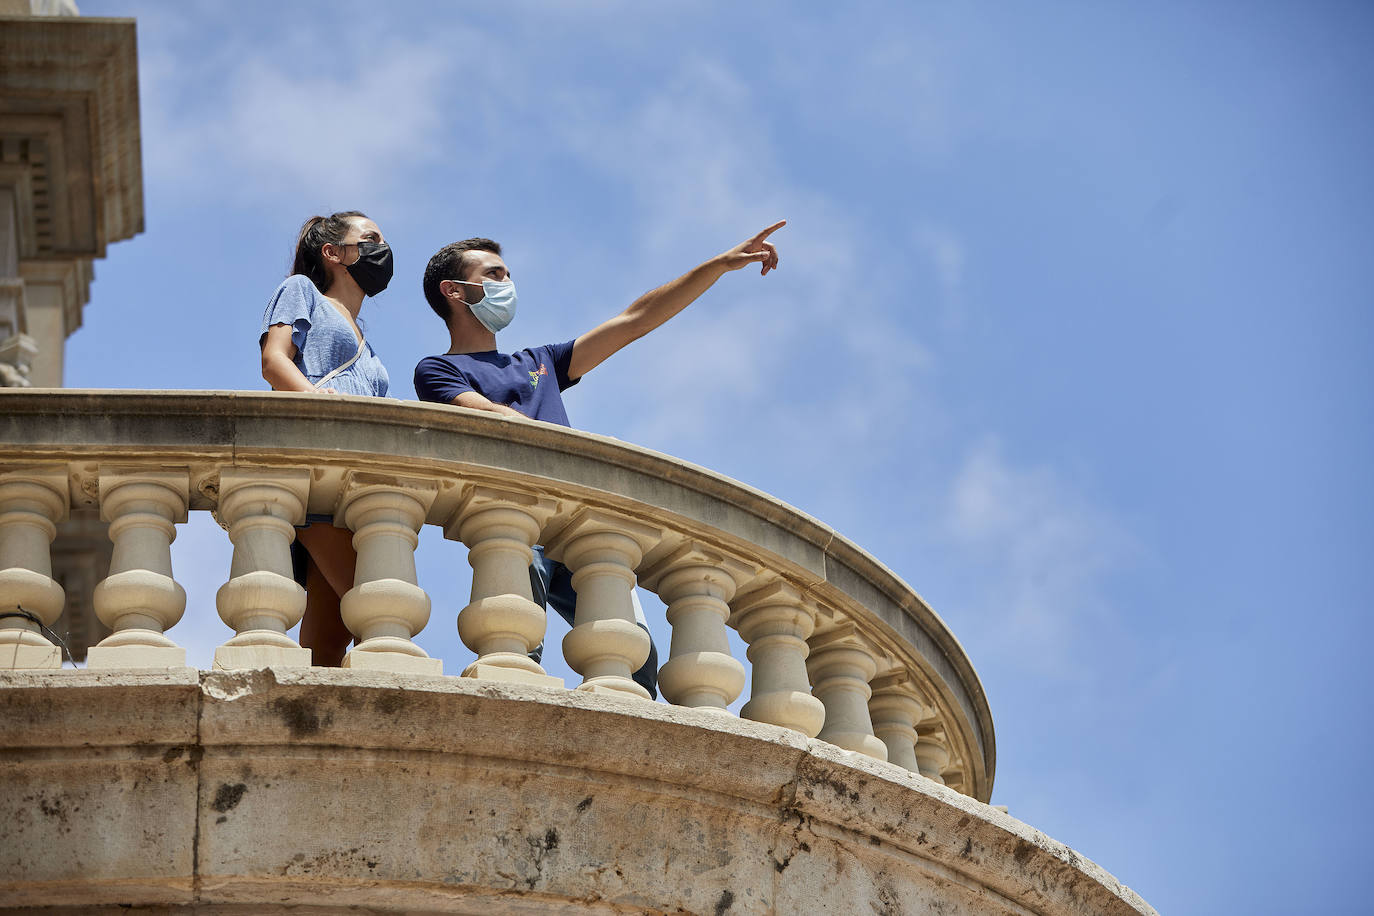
329	574
332	550
322	629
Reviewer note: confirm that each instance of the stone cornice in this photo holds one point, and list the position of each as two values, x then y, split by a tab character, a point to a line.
69	114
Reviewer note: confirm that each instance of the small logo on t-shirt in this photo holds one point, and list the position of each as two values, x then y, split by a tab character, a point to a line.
534	376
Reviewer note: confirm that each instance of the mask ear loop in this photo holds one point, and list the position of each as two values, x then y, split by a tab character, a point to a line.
470	283
345	245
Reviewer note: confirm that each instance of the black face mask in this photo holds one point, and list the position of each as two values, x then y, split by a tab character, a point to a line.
372	270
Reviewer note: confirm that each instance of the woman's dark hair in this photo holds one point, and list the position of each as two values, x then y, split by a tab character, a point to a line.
317	232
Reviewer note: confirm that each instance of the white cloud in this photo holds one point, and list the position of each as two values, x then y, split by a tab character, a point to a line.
261	119
333	135
700	162
769	359
1043	553
944	252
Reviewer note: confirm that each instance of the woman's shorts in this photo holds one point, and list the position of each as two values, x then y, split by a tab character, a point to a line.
299	555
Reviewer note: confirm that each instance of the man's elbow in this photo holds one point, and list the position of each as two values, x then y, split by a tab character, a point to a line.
632	326
474	401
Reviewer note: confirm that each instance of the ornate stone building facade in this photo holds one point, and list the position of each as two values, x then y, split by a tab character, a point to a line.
71	184
71	178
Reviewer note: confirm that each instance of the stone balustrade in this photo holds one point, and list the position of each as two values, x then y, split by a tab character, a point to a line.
838	647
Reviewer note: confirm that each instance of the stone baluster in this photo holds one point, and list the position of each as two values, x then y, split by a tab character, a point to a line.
775	621
385	608
840	667
139	600
895	708
261	600
502	623
32	501
605	645
932	750
697	585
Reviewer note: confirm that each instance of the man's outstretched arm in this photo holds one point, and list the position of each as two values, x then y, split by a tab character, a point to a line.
658	305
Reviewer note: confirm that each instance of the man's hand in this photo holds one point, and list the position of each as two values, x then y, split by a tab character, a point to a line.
755	249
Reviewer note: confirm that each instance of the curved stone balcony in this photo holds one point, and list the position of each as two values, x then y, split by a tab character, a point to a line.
863	720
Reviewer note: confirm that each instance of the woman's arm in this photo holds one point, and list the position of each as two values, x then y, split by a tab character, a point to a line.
277	367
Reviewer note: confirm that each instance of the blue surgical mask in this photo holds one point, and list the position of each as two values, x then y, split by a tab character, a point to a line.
497	306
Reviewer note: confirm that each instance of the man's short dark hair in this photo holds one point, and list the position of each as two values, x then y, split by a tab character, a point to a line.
447	264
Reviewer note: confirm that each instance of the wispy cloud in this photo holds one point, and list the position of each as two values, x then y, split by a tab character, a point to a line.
269	122
1043	554
700	162
944	253
769	358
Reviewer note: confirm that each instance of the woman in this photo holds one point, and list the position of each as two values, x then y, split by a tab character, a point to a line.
312	340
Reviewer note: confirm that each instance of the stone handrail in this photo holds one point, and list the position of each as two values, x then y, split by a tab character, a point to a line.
840	647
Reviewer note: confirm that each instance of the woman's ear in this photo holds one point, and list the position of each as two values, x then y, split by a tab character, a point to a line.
331	252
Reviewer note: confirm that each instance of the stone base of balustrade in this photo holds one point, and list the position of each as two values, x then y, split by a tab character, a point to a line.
21	657
513	676
624	693
113	658
312	791
393	662
229	658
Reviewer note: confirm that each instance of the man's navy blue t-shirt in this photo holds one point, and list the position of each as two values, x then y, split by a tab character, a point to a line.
530	381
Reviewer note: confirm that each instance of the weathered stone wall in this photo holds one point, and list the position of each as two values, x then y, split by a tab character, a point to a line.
319	790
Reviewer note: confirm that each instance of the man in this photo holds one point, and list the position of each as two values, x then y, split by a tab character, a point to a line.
468	285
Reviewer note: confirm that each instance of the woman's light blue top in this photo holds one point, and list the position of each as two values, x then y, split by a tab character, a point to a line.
324	339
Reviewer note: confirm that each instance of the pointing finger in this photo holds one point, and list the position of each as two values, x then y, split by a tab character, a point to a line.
769	231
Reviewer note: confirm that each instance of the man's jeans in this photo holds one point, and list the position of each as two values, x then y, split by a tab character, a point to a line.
551	583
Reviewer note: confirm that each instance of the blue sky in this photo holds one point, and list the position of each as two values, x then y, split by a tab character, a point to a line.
1071	330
